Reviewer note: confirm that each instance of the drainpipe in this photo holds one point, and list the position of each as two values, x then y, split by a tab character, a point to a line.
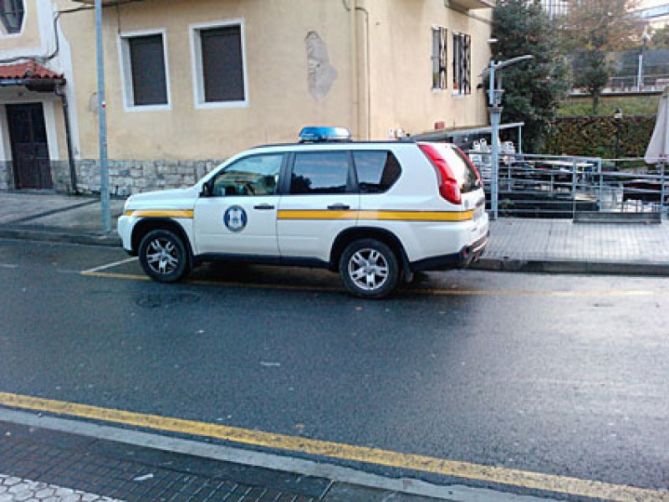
68	138
364	75
350	6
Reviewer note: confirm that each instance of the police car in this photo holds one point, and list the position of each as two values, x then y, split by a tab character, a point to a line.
376	212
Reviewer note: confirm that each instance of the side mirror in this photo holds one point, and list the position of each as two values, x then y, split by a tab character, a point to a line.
207	189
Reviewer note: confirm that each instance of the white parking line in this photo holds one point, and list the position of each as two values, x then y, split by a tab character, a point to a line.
109	265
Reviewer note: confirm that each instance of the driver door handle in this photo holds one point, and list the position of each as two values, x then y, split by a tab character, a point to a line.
339	207
264	206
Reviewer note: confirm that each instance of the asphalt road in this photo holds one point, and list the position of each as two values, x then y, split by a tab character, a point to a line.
563	375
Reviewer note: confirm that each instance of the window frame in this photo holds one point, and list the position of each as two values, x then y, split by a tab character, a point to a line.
5	33
457	87
351	178
279	185
198	71
126	71
437	58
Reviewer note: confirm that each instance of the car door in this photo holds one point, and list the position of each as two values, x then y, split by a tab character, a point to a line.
318	202
238	215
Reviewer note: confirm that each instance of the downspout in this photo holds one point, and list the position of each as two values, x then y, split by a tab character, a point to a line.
350	6
364	88
68	138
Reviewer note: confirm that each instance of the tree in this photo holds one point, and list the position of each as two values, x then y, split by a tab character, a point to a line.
594	27
660	38
533	89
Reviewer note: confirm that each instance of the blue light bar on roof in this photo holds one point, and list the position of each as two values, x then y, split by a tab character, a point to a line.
318	134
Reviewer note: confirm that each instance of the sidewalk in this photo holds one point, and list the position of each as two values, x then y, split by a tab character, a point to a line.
39	464
516	244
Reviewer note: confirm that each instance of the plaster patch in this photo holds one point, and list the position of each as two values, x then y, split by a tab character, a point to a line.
320	73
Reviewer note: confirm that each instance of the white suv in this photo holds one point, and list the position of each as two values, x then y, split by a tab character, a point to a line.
375	211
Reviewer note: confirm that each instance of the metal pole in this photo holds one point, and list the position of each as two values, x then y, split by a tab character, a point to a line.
495	113
102	122
520	139
573	188
662	190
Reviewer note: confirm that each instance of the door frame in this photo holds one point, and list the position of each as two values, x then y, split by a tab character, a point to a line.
50	122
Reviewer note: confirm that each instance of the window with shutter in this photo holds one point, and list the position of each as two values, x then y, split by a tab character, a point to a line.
11	15
439	58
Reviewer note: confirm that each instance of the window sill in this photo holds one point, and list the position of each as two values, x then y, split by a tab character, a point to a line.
213	105
148	108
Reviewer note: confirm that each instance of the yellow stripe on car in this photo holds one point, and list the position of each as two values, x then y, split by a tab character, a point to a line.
290	214
160	213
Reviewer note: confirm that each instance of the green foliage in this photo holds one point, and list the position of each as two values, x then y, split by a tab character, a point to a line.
630	105
660	38
592	74
534	88
596	136
593	28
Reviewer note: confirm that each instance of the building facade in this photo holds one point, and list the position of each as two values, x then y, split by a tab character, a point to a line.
191	82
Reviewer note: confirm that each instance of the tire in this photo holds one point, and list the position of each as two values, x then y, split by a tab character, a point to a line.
163	256
380	262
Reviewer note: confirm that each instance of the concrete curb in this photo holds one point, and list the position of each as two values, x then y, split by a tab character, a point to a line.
492	264
572	267
31	234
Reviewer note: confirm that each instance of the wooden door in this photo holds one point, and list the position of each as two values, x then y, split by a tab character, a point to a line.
30	150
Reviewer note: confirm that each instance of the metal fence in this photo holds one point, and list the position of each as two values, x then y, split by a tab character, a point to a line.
551	186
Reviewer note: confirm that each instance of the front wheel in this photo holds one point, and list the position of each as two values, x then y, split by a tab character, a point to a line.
369	268
163	256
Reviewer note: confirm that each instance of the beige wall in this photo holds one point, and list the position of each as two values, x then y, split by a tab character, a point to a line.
278	99
395	72
401	66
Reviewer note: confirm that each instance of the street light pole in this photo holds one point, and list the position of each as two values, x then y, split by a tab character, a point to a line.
495	93
495	109
102	122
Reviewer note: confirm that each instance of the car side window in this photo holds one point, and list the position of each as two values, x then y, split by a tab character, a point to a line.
377	170
320	173
253	175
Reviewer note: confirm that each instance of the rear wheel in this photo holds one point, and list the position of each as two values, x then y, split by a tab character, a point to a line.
163	256
369	268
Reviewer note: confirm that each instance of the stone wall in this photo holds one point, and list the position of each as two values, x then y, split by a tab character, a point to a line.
127	177
6	178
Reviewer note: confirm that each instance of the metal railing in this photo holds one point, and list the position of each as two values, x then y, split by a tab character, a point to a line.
551	186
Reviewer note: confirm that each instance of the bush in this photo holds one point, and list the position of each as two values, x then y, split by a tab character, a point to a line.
596	136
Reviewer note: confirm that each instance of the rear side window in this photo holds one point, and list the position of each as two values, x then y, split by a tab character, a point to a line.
377	170
319	173
464	174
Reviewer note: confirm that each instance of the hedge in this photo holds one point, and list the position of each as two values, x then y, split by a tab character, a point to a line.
596	136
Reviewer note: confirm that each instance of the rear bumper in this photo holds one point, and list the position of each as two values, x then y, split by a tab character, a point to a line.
467	255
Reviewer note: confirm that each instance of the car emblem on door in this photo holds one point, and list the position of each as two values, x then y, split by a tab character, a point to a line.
235	218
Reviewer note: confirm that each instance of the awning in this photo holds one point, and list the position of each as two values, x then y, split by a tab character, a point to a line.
29	69
32	75
658	148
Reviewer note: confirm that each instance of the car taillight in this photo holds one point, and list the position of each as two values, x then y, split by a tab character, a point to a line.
469	162
448	185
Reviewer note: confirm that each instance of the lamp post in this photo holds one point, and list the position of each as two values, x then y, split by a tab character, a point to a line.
618	119
495	93
102	121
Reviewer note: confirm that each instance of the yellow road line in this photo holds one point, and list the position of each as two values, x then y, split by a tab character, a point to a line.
416	291
341	451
